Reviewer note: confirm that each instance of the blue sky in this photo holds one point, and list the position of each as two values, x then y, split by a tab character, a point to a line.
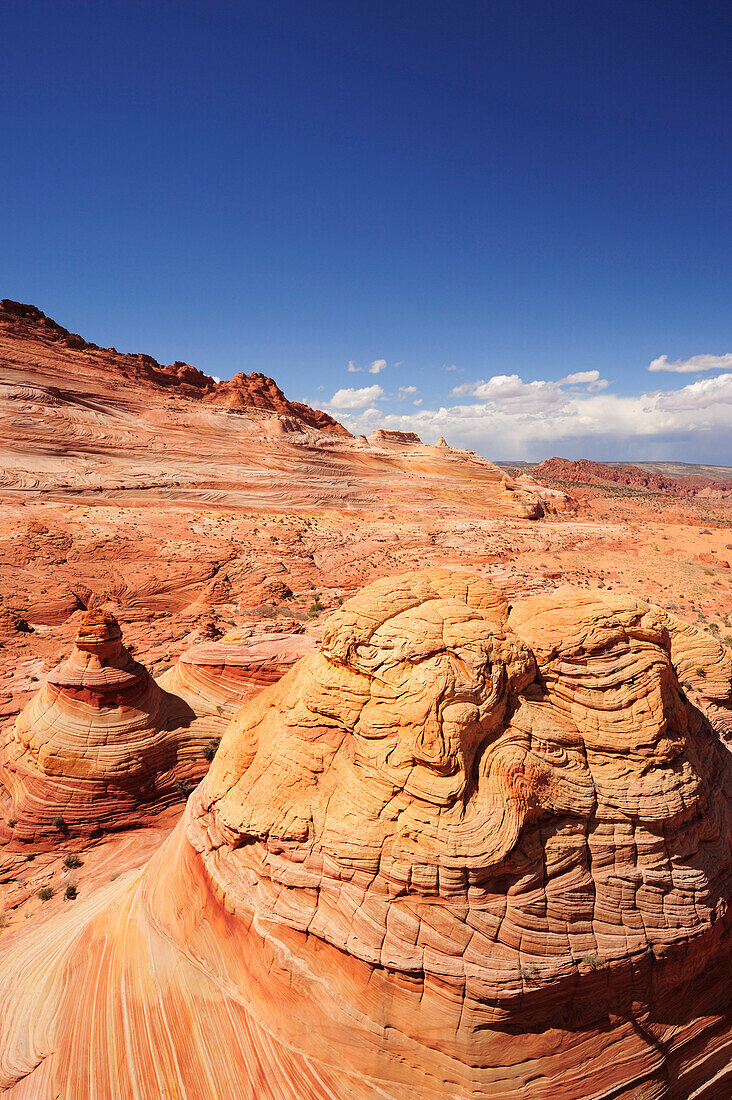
527	192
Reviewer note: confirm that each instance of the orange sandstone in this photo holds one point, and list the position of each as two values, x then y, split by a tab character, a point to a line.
99	746
461	851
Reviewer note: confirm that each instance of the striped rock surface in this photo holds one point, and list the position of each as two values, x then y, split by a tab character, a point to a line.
461	851
216	677
98	747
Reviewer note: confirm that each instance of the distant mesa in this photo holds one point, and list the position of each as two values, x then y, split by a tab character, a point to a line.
99	747
586	472
463	850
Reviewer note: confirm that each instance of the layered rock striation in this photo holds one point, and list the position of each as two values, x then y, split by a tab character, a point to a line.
79	419
100	746
463	850
243	391
217	676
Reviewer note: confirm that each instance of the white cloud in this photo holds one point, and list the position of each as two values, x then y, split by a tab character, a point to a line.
696	363
582	376
217	380
512	390
452	367
518	419
418	401
404	391
589	378
376	367
528	396
356	399
707	393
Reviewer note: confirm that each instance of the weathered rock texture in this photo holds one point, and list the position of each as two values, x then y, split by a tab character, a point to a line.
76	418
100	746
216	677
458	852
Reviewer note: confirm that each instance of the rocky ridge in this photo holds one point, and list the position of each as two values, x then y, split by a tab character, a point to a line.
586	472
244	391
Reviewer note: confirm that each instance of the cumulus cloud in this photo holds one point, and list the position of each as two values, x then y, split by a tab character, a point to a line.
512	418
376	367
510	389
404	391
589	378
690	366
356	399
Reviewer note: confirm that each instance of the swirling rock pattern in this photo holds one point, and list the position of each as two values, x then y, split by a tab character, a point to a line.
216	677
463	850
75	417
98	747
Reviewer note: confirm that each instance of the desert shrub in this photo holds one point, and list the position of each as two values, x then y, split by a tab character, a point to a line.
316	607
209	750
265	611
701	672
60	824
70	892
71	860
45	893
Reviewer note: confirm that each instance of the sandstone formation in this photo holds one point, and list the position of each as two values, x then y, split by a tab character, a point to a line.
22	323
215	677
78	419
464	850
586	472
100	746
383	438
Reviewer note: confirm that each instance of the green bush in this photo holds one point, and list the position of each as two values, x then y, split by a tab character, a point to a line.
209	750
71	860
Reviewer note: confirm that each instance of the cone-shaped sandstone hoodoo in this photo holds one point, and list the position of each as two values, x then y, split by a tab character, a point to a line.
98	747
458	852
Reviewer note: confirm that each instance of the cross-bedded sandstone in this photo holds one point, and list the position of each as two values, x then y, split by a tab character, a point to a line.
463	850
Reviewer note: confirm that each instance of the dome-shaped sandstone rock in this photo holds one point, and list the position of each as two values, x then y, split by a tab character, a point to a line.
217	676
97	747
460	851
